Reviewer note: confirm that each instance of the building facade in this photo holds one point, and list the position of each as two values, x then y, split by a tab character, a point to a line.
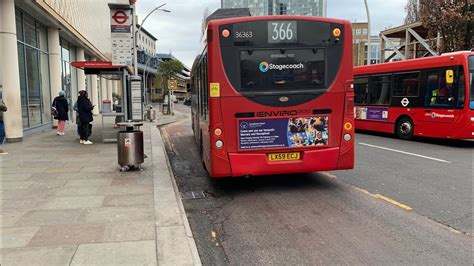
147	60
159	86
360	32
38	41
280	7
146	41
376	52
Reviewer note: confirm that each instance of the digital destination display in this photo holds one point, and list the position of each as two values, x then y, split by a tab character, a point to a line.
278	32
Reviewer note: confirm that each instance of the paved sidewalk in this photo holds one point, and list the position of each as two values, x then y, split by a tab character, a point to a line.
64	203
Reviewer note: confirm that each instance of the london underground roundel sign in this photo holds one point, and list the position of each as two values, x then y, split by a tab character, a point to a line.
120	17
405	102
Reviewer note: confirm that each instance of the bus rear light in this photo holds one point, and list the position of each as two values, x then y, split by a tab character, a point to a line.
336	32
217	131
225	33
472	119
347	137
219	144
348	126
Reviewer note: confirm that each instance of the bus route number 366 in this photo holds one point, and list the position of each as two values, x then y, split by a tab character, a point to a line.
282	32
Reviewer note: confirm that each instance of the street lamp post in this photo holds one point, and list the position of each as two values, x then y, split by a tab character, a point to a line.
135	35
145	77
368	33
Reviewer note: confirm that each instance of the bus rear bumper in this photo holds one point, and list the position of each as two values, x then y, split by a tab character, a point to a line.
243	164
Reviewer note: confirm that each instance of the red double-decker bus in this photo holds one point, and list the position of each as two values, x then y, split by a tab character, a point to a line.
430	97
273	95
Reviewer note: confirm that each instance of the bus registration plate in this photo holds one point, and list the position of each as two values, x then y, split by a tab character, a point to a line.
284	156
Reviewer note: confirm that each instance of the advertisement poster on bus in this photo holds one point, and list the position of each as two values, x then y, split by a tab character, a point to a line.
371	113
284	132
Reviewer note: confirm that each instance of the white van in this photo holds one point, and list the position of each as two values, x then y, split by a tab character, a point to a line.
173	97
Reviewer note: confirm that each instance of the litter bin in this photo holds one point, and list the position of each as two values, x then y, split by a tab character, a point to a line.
130	145
106	106
151	114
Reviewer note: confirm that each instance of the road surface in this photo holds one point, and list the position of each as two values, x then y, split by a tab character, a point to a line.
333	218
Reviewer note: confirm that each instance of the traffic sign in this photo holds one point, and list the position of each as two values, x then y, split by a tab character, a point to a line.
172	84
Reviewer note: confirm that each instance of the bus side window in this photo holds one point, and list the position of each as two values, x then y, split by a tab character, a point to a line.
432	88
206	88
361	91
439	93
461	85
406	84
379	90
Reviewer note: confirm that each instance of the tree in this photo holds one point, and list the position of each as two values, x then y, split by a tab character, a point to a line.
412	11
168	70
451	20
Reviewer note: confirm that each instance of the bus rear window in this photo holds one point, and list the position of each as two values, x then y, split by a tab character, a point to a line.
282	69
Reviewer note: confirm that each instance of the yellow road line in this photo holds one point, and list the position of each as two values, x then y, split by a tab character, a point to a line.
394	202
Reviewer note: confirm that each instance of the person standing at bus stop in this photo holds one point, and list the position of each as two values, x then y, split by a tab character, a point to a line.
84	107
3	108
62	108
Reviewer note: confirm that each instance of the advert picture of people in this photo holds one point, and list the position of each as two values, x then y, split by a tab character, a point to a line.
308	131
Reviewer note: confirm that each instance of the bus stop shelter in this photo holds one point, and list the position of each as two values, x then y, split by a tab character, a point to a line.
111	72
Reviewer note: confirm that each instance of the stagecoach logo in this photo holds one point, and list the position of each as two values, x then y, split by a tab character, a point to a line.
436	115
264	66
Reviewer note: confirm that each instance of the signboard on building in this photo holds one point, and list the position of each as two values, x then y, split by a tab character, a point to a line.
121	35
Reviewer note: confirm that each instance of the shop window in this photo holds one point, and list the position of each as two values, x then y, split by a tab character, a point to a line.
23	87
30	31
34	90
406	84
33	70
19	26
45	85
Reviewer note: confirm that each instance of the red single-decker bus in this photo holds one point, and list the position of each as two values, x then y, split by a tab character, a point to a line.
273	95
429	97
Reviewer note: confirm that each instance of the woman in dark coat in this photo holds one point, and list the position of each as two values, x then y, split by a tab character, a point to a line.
62	108
84	109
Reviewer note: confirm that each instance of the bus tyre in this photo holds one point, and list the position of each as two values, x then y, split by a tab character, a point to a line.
405	128
201	153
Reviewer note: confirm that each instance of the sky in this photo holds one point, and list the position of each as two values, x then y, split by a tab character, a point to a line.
179	32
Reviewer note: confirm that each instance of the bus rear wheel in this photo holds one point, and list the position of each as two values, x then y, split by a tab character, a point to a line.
404	128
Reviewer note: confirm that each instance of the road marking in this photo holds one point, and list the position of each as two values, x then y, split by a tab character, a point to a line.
387	199
364	191
454	230
329	175
404	152
394	202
